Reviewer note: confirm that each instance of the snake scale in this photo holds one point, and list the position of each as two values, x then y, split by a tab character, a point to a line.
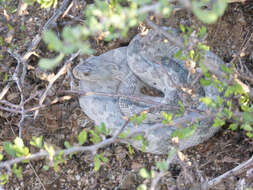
147	60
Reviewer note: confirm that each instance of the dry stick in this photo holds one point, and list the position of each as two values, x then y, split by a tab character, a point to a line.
38	177
243	48
56	100
11	110
133	98
236	171
17	81
9	104
62	71
38	37
15	74
214	181
157	179
158	176
174	39
94	148
23	60
186	4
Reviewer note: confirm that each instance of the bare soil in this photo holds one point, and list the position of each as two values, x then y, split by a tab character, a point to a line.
62	121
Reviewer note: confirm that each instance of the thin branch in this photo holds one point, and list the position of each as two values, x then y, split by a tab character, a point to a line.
38	177
174	39
94	148
15	74
11	110
236	171
38	37
62	71
133	98
158	176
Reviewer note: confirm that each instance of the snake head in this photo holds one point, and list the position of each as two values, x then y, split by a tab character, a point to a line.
93	70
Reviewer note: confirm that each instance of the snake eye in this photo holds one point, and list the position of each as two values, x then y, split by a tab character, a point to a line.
86	74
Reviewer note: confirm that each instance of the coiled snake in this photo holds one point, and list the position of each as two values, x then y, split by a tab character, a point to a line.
125	70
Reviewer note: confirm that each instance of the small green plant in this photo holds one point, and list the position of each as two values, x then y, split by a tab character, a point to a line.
43	3
113	19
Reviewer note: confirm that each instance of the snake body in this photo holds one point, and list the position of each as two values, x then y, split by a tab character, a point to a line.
125	70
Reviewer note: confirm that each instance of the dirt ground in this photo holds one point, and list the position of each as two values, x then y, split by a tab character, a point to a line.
62	121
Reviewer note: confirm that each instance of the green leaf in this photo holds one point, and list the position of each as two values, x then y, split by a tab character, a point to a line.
10	27
162	166
17	170
191	54
37	141
17	149
67	144
226	69
144	145
50	150
181	109
29	2
82	137
4	179
95	137
248	117
123	135
202	32
103	159
153	173
184	133
203	68
179	55
228	113
208	101
167	118
19	142
203	47
229	91
9	148
229	103
144	173
219	101
142	2
182	28
172	153
238	89
233	126
58	159
204	82
247	127
130	149
102	129
97	163
138	137
6	77
46	167
137	120
1	157
48	64
218	122
142	187
209	16
52	40
250	135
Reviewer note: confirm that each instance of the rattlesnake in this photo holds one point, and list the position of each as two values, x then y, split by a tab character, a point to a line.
116	70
